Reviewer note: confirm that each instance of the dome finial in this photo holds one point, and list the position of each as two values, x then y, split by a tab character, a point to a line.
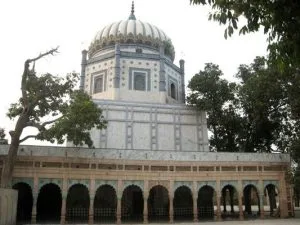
132	16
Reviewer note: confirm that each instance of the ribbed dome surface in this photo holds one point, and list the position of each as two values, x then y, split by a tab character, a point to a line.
131	28
131	31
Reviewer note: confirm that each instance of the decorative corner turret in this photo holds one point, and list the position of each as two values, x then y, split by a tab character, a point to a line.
83	65
116	78
181	65
162	72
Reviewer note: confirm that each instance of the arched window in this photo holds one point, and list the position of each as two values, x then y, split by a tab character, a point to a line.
99	83
173	90
139	81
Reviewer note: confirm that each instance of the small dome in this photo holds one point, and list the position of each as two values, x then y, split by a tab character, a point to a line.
131	31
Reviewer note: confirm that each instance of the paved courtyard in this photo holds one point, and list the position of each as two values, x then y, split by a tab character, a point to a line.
290	221
295	221
248	222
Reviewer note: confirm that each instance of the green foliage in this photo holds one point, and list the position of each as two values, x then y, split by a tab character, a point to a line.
217	97
263	101
50	104
2	133
79	116
259	113
279	19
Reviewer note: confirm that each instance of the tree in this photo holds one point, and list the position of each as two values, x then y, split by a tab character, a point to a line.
72	111
258	113
216	96
264	105
3	141
279	19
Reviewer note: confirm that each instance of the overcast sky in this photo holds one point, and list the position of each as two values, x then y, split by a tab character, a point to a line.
34	26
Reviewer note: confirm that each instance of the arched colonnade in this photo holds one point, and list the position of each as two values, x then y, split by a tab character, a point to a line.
127	201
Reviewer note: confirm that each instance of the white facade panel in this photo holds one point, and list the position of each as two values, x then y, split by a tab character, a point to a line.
165	137
141	136
115	135
189	137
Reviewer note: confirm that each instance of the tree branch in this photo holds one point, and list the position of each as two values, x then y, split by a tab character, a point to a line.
40	126
27	137
51	52
26	73
50	121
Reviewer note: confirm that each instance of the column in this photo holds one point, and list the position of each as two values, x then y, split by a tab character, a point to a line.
195	209
241	214
261	202
35	196
64	202
91	209
195	197
92	197
218	196
63	209
145	212
119	209
219	218
119	199
33	213
171	210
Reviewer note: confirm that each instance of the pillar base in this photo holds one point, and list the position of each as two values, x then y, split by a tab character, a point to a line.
145	221
91	219
62	220
118	219
33	219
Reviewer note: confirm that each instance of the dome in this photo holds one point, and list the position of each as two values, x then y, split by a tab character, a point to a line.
131	31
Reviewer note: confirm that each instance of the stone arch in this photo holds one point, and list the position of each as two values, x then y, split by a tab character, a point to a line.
229	183
49	203
230	196
44	181
206	201
158	203
105	204
25	202
173	90
138	183
254	183
77	204
178	184
271	194
112	183
84	182
251	197
183	203
211	184
132	203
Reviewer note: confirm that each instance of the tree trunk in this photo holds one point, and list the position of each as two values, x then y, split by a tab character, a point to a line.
10	160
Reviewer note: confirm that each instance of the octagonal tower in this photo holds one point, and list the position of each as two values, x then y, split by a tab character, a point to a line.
132	60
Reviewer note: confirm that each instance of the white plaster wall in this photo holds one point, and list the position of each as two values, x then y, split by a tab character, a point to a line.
174	75
46	151
116	135
104	52
141	136
165	137
141	126
151	95
109	67
189	137
134	47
